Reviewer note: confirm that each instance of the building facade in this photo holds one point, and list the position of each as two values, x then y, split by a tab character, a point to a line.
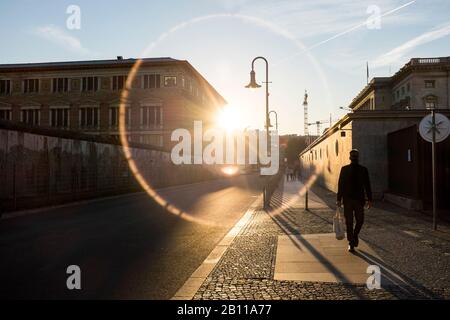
386	106
85	96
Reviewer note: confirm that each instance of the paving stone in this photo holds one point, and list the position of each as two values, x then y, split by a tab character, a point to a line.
246	270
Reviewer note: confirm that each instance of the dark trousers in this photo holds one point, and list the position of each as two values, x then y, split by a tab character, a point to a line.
353	208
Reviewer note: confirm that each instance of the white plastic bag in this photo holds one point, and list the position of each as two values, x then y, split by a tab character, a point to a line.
338	225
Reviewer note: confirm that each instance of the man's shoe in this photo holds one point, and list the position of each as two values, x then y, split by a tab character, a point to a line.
355	242
351	248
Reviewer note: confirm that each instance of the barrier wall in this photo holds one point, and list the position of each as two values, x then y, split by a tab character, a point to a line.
46	167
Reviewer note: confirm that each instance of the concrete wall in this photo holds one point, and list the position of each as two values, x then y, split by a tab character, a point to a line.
39	169
324	160
369	136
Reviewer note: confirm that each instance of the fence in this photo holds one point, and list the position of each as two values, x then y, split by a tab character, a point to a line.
270	186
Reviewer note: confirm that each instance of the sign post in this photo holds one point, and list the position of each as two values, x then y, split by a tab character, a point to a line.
433	165
434	128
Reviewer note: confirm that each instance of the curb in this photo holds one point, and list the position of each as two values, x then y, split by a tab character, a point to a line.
191	286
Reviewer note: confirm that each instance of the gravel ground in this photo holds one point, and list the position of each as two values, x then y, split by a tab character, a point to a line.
401	240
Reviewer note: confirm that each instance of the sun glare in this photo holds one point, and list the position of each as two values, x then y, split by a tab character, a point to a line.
230	170
229	118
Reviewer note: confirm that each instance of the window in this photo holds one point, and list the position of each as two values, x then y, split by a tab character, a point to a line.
152	81
5	114
59	117
151	116
118	82
403	91
430	83
153	139
408	87
183	82
31	116
170	81
89	117
31	86
5	87
430	102
114	112
60	84
89	84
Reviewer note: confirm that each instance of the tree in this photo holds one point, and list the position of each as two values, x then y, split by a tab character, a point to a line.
295	145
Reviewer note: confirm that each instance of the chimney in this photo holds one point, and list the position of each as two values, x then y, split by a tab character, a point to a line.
119	57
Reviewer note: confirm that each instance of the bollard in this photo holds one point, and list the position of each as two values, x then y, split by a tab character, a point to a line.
306	199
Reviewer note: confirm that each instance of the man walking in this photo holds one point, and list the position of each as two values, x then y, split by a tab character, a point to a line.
354	185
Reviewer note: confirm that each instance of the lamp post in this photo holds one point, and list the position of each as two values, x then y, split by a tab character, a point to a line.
254	85
276	119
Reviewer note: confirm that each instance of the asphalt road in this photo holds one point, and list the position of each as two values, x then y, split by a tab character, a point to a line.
127	247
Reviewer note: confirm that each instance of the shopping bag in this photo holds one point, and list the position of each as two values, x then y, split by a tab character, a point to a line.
338	225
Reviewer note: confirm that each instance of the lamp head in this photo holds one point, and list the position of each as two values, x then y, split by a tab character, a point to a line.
253	84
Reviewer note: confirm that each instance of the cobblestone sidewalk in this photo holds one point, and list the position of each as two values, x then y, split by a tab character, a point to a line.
246	269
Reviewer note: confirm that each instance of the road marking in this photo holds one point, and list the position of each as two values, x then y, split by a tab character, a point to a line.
195	281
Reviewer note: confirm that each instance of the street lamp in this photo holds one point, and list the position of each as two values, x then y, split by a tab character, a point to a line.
276	119
254	85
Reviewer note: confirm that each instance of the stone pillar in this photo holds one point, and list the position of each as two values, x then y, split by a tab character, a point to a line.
104	117
15	112
45	116
74	116
135	125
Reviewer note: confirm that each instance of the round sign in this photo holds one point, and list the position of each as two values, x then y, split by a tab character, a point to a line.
442	127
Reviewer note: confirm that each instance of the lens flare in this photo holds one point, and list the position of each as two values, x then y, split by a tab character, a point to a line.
230	170
231	118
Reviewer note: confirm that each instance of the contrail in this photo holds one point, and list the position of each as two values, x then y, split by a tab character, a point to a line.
358	26
346	31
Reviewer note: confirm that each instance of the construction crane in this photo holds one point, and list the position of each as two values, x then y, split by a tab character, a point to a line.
320	122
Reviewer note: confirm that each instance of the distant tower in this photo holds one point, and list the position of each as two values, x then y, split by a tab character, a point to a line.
305	116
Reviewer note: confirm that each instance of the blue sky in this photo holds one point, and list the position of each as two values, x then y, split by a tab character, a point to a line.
321	45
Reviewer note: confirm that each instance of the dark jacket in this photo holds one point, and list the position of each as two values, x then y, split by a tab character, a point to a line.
353	181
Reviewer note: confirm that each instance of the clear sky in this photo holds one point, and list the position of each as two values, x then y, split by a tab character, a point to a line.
319	45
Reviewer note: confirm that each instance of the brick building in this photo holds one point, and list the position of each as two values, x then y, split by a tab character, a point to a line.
384	128
85	96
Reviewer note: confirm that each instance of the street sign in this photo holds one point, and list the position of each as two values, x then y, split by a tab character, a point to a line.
434	128
442	126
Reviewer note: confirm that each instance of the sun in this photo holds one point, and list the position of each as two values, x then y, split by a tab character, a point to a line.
230	118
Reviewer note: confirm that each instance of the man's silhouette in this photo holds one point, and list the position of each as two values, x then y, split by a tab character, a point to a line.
353	183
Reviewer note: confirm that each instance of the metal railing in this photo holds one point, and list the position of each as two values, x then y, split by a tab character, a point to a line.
270	186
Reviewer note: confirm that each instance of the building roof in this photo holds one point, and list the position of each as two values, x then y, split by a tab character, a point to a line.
415	64
111	63
80	64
